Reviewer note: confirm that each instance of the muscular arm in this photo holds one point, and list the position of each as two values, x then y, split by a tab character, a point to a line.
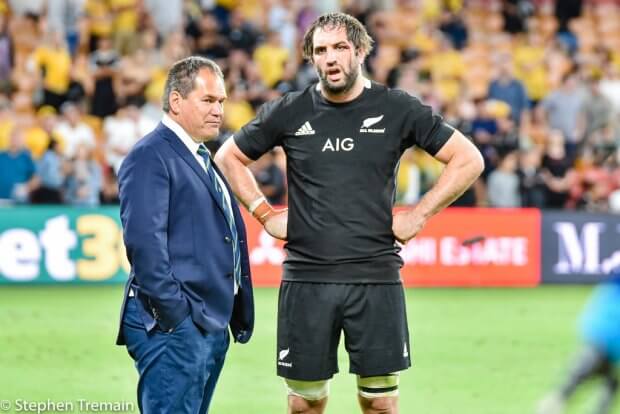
233	164
463	166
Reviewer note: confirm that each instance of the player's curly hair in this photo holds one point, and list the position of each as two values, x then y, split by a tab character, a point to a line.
356	32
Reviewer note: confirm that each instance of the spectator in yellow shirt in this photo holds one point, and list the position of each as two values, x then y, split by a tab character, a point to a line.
98	18
52	59
125	26
271	57
238	110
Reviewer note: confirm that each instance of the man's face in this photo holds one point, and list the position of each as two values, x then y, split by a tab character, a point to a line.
72	115
200	114
335	59
16	142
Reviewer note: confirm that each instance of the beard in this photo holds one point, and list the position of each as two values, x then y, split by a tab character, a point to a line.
349	80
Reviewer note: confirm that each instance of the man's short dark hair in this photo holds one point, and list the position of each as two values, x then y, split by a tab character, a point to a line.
356	32
182	76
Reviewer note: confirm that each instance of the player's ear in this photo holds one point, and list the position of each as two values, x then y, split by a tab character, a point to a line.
360	54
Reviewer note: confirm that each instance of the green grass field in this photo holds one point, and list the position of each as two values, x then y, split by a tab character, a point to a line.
476	351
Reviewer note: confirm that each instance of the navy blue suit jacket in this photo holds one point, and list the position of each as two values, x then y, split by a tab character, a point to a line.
179	243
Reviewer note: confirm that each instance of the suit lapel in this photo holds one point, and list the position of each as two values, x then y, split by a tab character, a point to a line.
187	156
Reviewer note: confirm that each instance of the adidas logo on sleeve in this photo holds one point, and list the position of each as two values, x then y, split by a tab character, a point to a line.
305	129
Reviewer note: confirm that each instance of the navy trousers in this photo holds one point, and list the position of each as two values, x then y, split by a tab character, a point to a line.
178	370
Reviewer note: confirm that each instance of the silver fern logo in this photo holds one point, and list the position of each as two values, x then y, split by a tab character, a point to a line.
283	354
368	122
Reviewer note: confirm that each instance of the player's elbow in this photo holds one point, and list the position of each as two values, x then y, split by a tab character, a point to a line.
476	162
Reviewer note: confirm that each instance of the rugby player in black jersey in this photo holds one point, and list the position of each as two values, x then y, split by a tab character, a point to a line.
343	140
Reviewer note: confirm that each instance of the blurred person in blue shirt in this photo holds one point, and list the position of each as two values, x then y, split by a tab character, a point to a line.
17	169
84	179
506	88
600	357
51	175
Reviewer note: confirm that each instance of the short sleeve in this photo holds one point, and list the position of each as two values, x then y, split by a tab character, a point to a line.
423	128
262	133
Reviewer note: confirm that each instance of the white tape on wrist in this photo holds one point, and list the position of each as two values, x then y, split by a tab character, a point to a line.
255	204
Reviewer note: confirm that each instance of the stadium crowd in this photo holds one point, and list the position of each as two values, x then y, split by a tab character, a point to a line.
534	83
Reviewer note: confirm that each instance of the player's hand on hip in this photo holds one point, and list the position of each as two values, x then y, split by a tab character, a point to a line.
406	225
277	223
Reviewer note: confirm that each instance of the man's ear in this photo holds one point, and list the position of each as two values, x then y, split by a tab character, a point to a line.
174	101
360	54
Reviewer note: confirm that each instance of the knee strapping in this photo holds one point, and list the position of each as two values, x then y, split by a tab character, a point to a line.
379	386
308	390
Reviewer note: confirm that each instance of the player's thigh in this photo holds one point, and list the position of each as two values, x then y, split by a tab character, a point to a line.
376	330
309	325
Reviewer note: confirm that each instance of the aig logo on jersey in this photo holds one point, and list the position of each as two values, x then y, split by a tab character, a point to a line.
338	144
368	122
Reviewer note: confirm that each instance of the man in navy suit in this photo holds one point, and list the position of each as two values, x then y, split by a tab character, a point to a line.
186	242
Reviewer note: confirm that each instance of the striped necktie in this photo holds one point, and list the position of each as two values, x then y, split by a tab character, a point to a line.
226	207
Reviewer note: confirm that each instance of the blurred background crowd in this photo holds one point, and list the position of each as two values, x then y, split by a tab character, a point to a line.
534	83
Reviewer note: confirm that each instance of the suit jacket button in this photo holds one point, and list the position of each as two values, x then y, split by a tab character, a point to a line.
229	275
227	239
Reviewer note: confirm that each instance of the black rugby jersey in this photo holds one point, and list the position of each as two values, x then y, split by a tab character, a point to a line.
341	165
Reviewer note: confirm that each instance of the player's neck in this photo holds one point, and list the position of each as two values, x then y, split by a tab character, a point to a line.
351	94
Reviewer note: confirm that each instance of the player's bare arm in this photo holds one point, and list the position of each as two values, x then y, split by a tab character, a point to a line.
233	164
464	164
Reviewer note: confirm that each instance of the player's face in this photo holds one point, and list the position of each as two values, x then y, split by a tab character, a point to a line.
335	59
202	111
